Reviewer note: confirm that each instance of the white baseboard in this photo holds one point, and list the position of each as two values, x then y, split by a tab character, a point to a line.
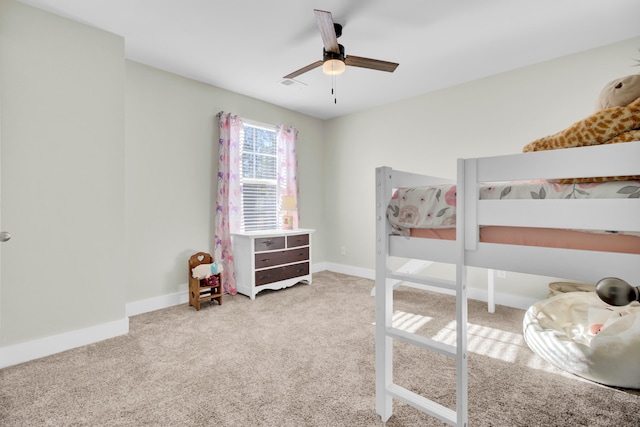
509	300
165	301
514	301
316	268
365	273
156	303
35	349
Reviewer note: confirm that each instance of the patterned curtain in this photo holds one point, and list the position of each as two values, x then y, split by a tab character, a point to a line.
286	138
229	196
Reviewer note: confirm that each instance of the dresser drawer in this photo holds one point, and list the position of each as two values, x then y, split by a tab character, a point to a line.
271	275
269	243
299	240
271	259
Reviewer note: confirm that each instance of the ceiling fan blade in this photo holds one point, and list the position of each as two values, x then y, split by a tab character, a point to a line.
374	64
303	70
327	30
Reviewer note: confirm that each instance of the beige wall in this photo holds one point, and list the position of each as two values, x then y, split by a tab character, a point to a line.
492	116
62	175
171	157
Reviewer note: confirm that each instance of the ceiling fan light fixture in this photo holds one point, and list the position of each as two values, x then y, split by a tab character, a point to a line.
333	61
333	67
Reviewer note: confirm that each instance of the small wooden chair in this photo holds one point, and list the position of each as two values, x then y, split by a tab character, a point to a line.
203	290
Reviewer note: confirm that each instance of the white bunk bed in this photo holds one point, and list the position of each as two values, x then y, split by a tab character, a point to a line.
582	265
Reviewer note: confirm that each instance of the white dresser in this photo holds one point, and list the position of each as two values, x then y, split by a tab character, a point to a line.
272	259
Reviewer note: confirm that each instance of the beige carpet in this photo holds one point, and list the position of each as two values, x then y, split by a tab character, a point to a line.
302	356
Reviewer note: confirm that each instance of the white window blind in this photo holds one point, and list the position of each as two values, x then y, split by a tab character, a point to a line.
258	177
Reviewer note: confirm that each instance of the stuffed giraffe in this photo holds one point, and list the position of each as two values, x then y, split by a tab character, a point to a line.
608	126
616	120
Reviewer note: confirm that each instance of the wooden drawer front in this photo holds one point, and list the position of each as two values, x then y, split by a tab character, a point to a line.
271	275
269	243
299	240
271	259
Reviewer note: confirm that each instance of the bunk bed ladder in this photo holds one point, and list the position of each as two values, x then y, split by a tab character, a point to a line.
386	389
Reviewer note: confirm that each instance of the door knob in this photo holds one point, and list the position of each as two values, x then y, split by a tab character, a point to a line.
4	236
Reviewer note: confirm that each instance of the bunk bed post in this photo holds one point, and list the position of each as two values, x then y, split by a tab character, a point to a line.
491	290
461	294
384	298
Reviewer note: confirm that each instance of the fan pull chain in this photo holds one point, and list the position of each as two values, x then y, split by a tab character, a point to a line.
333	89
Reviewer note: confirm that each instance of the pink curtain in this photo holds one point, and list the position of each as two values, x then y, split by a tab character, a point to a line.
286	138
229	196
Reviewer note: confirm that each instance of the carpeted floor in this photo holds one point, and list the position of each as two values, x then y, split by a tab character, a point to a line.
302	356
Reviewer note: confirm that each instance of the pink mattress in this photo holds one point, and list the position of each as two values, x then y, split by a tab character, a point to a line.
546	237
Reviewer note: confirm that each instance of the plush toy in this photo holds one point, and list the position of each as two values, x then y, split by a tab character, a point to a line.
619	92
616	120
612	125
617	112
203	271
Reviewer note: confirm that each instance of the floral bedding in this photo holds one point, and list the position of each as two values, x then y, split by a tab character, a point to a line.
435	206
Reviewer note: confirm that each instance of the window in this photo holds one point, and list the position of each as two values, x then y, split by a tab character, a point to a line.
259	177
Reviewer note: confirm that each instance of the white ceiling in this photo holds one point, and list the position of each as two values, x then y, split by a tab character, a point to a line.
247	46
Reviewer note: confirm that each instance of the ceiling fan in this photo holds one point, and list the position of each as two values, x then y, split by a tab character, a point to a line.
334	60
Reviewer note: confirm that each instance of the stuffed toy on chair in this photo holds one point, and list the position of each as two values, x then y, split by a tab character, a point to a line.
203	271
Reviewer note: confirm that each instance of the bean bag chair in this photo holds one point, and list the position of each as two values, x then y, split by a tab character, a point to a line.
580	334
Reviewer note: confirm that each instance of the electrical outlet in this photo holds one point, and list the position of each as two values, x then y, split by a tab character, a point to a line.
501	274
343	250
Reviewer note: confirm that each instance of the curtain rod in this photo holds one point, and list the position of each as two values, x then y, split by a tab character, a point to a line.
256	123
